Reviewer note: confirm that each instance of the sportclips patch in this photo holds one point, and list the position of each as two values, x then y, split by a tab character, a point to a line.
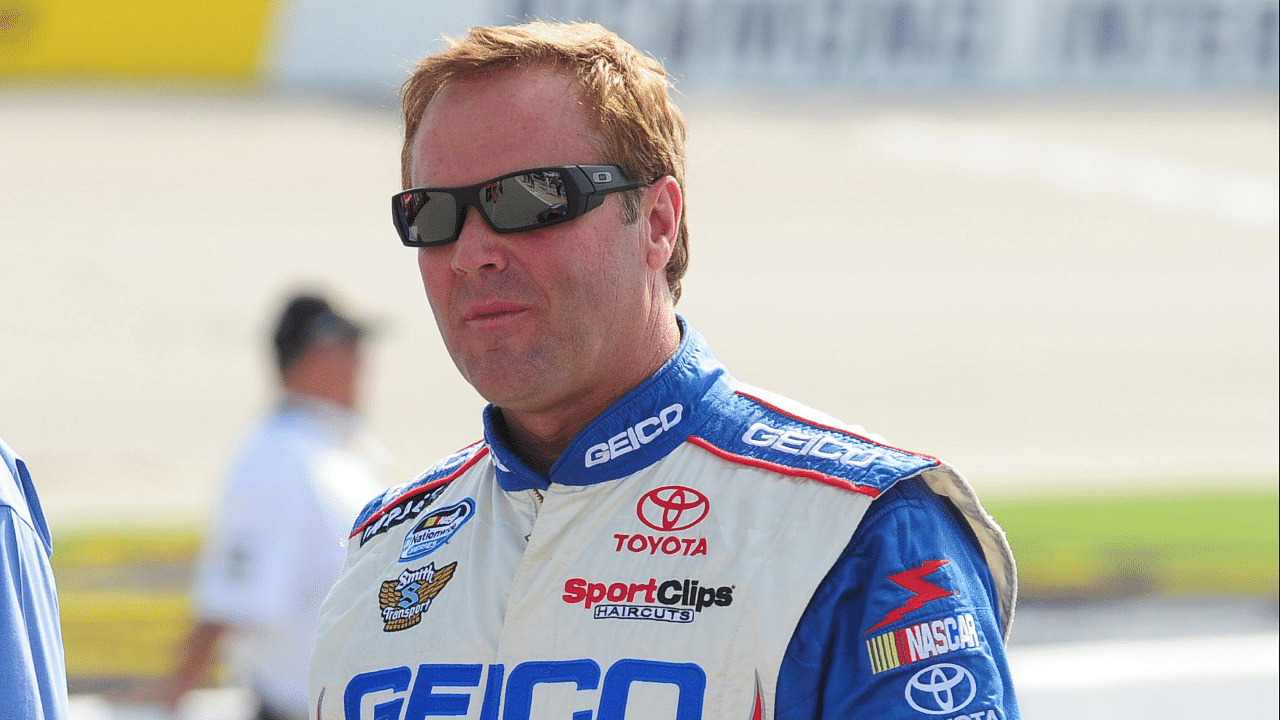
923	641
403	601
435	529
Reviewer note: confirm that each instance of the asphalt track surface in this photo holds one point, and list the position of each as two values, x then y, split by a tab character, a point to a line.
1059	295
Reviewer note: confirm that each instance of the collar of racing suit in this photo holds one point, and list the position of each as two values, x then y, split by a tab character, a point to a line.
638	430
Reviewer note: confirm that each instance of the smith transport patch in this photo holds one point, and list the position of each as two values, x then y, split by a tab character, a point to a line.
922	641
403	601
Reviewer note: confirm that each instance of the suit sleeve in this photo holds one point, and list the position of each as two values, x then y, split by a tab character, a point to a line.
904	626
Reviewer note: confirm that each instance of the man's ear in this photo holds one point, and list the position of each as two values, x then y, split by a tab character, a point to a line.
661	208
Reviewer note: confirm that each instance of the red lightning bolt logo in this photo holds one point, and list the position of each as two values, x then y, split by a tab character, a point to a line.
922	591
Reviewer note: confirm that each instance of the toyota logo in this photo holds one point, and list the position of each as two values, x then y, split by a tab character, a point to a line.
941	689
673	507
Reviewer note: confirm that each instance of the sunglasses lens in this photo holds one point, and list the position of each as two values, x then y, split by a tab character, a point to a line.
527	200
428	217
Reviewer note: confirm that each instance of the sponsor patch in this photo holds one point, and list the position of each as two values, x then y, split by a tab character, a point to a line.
607	691
643	612
675	601
820	446
402	601
673	508
402	511
922	641
435	529
941	689
668	509
922	591
652	545
634	437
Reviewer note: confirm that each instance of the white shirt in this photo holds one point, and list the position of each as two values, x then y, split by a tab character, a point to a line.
279	538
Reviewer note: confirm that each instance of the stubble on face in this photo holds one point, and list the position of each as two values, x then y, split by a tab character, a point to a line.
572	305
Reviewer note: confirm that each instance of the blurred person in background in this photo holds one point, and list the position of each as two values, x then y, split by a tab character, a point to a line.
638	535
277	542
33	672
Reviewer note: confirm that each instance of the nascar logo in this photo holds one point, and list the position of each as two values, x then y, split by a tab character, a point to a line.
922	641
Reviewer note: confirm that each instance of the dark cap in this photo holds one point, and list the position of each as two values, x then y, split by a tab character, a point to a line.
308	319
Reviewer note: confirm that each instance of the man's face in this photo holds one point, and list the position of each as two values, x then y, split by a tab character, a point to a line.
541	320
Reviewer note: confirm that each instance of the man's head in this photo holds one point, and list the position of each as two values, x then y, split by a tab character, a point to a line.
317	350
623	94
557	320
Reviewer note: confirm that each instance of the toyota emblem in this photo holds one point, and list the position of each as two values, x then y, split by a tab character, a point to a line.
941	689
672	508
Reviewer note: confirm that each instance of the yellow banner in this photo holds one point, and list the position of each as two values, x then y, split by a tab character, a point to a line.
220	39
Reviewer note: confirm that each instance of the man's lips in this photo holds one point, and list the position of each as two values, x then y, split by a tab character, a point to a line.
493	311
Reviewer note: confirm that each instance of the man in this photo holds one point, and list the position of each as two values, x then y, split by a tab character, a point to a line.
277	543
33	674
638	535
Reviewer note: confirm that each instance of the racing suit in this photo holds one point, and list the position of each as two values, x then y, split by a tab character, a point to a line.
702	549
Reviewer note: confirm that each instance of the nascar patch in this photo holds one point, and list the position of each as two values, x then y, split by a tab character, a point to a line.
435	529
922	641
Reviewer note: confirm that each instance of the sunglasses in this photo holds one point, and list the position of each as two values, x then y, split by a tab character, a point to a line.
524	200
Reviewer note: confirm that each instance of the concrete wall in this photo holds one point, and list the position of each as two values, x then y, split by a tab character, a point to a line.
365	47
946	43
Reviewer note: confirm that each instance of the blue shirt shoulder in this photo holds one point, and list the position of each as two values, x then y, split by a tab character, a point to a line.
34	681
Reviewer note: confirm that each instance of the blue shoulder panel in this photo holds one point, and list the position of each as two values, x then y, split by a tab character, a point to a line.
905	625
754	432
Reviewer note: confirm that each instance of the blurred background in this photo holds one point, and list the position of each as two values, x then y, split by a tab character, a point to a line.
1035	238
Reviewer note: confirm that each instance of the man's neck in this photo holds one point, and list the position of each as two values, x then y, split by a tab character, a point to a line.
539	438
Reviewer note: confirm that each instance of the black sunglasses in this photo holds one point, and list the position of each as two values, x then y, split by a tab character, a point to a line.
524	200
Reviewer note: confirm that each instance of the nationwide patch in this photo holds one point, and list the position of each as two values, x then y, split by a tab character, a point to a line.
404	600
923	641
435	529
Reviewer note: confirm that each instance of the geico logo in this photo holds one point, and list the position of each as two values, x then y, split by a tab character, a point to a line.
825	447
404	694
642	433
684	593
652	545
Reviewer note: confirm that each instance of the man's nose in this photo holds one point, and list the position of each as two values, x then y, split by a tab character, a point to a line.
478	247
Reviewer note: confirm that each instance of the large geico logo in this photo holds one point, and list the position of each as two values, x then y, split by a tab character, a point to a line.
824	447
404	694
671	601
642	433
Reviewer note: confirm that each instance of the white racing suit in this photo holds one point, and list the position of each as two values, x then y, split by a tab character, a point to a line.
700	550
